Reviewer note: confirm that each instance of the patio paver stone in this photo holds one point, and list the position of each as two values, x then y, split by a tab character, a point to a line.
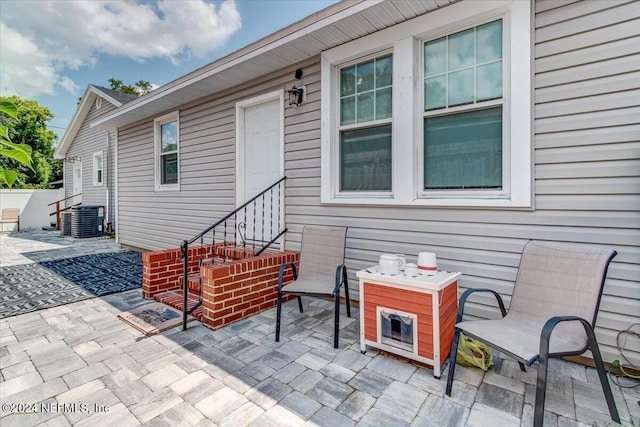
239	376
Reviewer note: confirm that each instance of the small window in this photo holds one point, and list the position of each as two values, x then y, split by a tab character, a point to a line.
167	149
98	168
463	110
365	125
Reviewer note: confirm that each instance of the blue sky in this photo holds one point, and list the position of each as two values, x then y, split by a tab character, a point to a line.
52	49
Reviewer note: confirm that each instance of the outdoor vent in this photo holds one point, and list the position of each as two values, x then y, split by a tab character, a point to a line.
66	224
84	221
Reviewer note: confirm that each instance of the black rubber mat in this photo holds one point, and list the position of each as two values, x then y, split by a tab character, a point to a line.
30	287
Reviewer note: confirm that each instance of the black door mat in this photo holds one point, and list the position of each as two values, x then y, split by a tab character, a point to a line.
30	287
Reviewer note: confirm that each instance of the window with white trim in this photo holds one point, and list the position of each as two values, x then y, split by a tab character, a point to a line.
98	168
365	125
459	130
167	147
463	110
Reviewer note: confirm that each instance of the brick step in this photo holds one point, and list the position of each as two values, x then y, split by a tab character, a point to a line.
173	298
193	282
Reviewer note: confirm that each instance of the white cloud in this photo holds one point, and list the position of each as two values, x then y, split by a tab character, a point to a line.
40	39
69	85
24	69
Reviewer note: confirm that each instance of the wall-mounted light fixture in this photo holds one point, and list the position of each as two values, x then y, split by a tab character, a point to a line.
71	159
296	95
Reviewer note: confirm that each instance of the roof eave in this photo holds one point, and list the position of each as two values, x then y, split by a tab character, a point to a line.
90	94
126	114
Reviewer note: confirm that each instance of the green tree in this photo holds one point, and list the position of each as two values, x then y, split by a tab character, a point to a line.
20	153
28	129
139	88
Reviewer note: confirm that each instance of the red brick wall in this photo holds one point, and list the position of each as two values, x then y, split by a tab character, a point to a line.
162	270
242	286
234	291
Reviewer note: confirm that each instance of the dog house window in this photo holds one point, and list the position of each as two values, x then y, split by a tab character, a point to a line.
397	329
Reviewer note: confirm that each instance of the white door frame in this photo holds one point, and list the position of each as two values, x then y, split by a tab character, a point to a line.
240	143
77	182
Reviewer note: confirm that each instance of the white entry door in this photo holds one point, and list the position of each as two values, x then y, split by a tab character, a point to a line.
77	181
259	164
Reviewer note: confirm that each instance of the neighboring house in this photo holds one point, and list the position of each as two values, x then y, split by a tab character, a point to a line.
463	128
88	152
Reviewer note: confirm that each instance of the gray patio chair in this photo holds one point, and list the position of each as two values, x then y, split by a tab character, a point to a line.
10	216
322	272
552	313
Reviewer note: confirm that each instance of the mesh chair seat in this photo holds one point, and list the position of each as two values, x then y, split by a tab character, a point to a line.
308	286
520	337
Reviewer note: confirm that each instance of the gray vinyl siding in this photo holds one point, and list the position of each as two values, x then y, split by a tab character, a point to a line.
586	171
88	141
158	219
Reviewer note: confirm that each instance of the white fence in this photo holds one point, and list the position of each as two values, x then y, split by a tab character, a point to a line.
34	212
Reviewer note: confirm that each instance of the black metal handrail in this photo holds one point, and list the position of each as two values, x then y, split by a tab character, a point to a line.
258	245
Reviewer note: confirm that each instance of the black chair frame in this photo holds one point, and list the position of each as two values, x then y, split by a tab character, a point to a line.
341	279
542	358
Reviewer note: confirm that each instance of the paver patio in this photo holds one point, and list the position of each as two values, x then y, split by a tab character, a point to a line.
77	364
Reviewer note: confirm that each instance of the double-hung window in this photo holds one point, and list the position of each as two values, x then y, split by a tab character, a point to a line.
463	114
98	168
365	125
434	111
167	145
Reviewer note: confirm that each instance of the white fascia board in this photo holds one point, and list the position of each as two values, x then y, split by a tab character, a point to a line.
78	118
76	121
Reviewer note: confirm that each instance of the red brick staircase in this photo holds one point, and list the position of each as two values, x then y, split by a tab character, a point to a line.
234	285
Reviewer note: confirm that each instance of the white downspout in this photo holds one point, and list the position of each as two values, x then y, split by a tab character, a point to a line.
115	183
106	177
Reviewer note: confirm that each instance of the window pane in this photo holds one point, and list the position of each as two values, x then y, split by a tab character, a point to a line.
489	81
463	151
435	92
489	42
99	177
169	169
364	76
169	132
369	80
383	103
471	62
461	53
384	71
348	110
365	107
348	81
460	87
365	159
435	57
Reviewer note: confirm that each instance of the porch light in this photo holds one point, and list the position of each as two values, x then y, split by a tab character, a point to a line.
296	95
